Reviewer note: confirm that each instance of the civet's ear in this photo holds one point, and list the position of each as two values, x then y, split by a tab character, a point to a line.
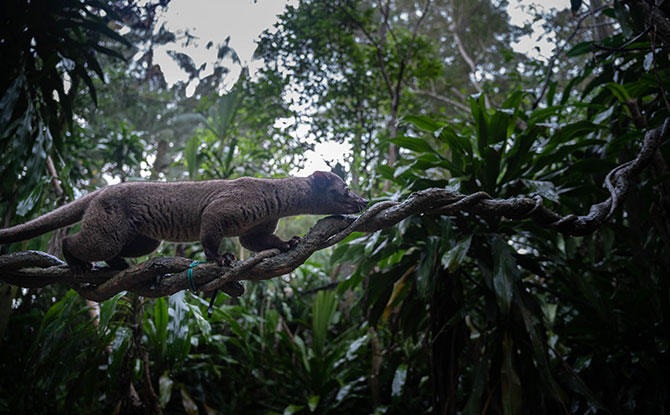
321	179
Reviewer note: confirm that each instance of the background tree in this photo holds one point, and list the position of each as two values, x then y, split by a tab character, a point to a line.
350	63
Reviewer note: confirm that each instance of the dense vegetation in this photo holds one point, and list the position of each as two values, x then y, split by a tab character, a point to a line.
439	314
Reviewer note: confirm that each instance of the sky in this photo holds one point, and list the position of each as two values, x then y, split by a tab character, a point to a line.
245	20
518	12
242	20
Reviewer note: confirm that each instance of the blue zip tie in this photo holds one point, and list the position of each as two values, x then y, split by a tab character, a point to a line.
190	280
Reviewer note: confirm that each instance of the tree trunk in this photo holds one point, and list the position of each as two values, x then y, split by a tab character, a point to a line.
159	162
600	29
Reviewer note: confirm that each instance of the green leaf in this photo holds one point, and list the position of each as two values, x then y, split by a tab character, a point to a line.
480	371
519	155
513	101
425	278
619	92
570	131
623	17
505	273
119	344
93	63
381	290
541	115
178	329
399	171
481	120
304	355
323	310
41	147
566	93
399	379
602	116
545	189
345	251
107	310
551	92
603	78
418	145
352	282
161	318
8	102
165	384
580	49
552	155
500	123
492	156
292	409
423	122
385	172
81	71
355	346
27	204
313	402
203	324
648	61
345	391
455	256
191	156
100	26
108	51
532	317
190	407
510	382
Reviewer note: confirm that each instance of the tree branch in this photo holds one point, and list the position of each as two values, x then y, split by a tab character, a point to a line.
442	98
471	64
378	46
163	276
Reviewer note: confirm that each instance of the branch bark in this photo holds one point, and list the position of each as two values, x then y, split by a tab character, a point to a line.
163	276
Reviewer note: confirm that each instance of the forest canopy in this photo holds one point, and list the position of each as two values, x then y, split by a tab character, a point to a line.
513	260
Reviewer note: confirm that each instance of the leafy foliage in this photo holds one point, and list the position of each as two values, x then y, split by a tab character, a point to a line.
520	302
241	136
347	74
48	49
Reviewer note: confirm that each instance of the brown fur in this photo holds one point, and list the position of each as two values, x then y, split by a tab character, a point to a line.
131	219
